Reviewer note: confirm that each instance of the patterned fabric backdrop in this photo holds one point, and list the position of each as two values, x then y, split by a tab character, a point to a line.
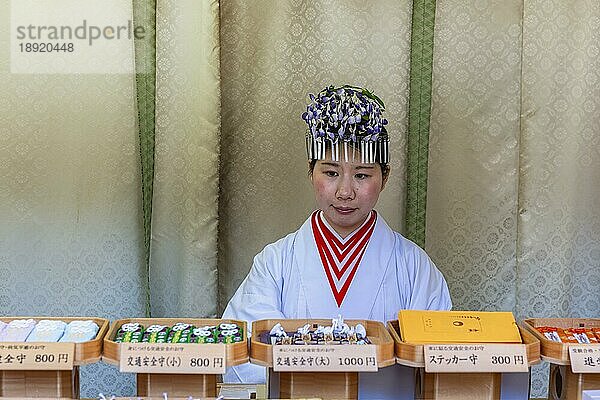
183	271
474	157
558	260
514	164
512	217
70	231
271	57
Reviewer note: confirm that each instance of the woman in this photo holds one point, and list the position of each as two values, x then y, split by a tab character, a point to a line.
344	259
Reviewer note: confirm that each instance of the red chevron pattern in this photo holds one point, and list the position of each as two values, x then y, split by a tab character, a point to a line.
340	258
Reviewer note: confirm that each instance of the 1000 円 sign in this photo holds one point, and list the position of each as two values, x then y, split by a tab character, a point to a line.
325	358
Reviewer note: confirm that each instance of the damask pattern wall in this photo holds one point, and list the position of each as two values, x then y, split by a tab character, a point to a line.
514	166
183	270
474	154
70	231
559	256
559	222
271	57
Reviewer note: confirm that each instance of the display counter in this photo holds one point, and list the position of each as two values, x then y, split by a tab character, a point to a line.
471	377
189	366
43	368
568	380
318	367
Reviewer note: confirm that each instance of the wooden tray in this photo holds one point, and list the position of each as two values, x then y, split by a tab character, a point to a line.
412	354
236	353
85	352
262	353
555	352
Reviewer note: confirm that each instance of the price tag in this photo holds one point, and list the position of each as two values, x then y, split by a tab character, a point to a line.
475	358
173	358
36	356
325	358
585	358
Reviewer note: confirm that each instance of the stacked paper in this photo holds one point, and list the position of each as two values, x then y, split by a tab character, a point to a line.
80	331
47	330
17	330
422	327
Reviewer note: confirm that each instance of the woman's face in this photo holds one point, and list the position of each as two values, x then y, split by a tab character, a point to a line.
346	191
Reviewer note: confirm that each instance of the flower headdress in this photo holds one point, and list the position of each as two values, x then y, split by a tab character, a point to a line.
348	116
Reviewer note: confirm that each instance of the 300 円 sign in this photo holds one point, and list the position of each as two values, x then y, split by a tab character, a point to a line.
490	357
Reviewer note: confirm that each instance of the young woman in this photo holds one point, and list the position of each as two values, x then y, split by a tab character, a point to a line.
344	259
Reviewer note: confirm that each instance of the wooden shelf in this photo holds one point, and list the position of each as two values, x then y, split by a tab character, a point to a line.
85	352
236	353
411	355
555	352
262	353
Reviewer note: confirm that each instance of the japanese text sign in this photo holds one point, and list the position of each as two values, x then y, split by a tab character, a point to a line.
585	358
476	358
325	358
36	356
166	358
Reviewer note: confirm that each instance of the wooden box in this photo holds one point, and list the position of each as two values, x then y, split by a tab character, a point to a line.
262	353
197	385
463	385
555	352
85	352
338	385
563	383
51	383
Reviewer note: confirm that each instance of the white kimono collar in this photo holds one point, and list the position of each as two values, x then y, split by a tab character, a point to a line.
365	286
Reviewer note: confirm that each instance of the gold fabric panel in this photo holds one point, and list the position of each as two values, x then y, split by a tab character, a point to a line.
183	274
558	271
512	218
70	209
272	54
473	161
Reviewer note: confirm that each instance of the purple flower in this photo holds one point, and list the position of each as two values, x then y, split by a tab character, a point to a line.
339	112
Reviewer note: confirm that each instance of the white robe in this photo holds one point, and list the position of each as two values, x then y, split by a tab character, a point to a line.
287	280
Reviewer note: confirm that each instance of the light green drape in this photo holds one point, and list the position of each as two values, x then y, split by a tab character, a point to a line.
71	241
183	269
421	66
179	174
144	15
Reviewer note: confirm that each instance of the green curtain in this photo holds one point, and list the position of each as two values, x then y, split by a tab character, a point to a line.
421	67
144	15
